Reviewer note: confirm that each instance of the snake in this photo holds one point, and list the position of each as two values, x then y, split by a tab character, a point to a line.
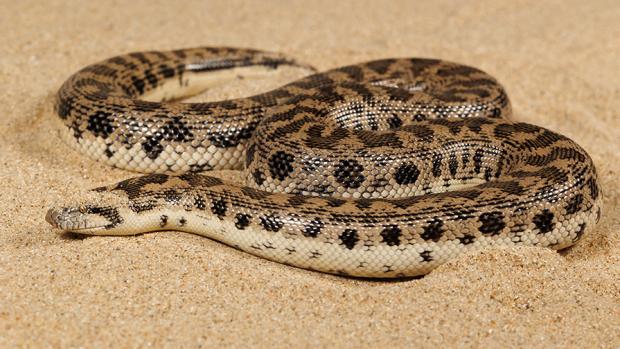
383	169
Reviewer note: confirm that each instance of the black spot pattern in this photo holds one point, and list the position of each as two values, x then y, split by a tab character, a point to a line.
173	131
433	231
143	205
166	71
391	235
313	228
242	221
109	213
453	165
349	173
271	223
218	207
437	159
138	85
467	239
231	138
176	130
407	174
259	177
199	202
478	156
349	238
163	220
426	256
315	254
108	152
281	165
394	122
101	124
492	223
544	221
172	196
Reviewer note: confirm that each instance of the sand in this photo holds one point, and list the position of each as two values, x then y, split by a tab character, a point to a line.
559	61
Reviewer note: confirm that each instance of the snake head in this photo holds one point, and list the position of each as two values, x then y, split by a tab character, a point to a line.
84	219
130	207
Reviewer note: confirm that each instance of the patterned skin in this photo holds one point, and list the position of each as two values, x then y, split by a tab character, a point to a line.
381	169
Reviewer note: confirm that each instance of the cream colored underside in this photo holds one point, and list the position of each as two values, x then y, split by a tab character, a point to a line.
379	260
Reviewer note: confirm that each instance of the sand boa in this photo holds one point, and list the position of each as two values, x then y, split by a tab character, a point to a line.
381	169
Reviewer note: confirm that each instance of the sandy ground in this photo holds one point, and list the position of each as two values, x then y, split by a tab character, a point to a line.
559	61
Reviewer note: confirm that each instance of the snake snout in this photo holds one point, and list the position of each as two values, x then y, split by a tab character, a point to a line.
66	218
76	219
51	217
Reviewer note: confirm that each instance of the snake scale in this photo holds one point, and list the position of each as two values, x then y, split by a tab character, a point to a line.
381	169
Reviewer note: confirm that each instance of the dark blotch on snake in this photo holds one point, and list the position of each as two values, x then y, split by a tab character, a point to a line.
544	221
433	231
426	256
394	122
313	228
242	220
271	223
199	202
349	173
453	165
108	212
259	177
281	165
219	207
492	223
101	124
467	239
437	159
407	173
391	235
172	196
349	238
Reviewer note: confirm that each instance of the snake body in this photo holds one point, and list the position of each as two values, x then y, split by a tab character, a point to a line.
381	169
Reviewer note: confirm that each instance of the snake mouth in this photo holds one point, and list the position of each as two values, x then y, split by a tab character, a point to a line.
76	219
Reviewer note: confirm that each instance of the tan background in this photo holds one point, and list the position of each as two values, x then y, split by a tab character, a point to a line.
559	60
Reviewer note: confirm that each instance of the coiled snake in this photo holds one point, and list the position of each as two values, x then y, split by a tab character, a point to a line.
381	169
